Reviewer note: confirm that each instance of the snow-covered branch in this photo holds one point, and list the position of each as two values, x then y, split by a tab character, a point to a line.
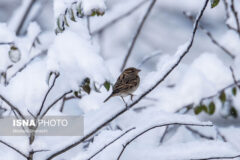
209	34
15	149
56	75
182	53
154	127
12	106
100	150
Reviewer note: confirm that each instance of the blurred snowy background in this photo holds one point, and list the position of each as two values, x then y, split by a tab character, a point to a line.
86	55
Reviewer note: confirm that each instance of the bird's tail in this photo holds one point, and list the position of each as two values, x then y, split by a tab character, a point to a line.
108	98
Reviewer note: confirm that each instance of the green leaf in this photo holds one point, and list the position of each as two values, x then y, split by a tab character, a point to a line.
234	91
86	81
65	20
75	93
200	108
72	15
204	108
60	29
222	97
107	85
214	3
86	88
233	112
197	110
14	54
211	108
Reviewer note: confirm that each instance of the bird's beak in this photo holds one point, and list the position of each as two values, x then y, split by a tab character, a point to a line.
139	70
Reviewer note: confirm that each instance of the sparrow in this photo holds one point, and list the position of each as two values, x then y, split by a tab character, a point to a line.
126	84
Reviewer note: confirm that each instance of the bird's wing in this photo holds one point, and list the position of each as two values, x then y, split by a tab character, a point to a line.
124	84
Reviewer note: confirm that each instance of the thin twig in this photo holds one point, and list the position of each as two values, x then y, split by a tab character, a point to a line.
64	100
119	18
199	133
228	16
100	150
137	34
141	97
221	135
24	18
235	16
25	65
58	99
188	107
41	150
46	95
6	43
226	157
234	78
12	106
185	110
209	34
15	149
158	126
155	54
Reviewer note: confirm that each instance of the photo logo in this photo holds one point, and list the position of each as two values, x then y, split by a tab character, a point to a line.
47	126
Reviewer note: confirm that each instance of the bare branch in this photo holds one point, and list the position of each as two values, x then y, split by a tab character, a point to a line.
64	100
227	157
155	54
209	34
188	107
228	16
199	133
26	13
58	99
158	126
15	149
41	150
142	96
46	95
12	106
221	135
100	150
185	110
137	34
6	43
119	18
235	16
234	78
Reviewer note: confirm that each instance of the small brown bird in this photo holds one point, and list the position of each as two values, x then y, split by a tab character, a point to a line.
126	84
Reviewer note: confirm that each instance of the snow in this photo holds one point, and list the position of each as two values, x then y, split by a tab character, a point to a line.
76	55
90	5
